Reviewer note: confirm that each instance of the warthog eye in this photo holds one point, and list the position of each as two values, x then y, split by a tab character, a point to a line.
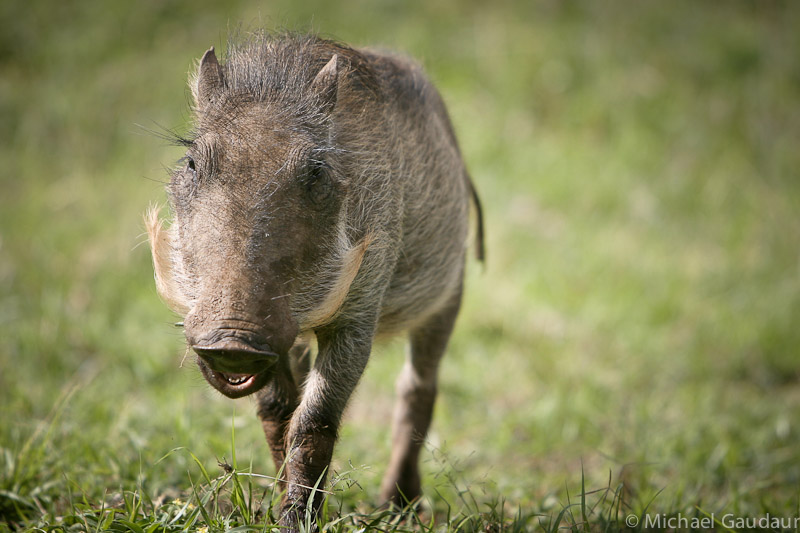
184	181
318	183
191	168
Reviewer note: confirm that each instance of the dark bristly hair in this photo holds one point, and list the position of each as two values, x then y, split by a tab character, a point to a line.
279	67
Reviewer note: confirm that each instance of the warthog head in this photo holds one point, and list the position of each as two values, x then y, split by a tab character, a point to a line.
258	249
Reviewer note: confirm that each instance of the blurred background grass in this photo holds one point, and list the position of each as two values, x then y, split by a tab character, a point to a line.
638	319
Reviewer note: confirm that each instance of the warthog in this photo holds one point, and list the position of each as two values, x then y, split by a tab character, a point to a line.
322	196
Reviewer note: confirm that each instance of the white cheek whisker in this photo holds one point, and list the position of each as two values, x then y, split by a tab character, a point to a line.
167	271
338	289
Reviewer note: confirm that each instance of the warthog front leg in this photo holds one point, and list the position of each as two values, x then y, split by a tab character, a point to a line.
416	393
312	432
276	404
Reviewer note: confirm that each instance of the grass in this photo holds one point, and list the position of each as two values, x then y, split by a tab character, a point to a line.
631	349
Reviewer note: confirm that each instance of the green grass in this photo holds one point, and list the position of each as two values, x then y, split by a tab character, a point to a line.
632	347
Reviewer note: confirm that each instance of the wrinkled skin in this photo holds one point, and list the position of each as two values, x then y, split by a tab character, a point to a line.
322	195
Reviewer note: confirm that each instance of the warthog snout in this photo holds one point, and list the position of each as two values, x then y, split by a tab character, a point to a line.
232	355
234	363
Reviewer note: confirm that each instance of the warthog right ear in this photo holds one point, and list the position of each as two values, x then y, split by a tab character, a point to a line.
326	83
210	79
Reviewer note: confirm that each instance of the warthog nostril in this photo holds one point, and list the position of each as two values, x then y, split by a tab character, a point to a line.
234	356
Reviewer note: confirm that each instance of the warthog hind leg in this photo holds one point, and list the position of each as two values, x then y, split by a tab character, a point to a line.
416	393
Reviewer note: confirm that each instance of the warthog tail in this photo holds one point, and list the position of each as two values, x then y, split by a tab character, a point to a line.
480	248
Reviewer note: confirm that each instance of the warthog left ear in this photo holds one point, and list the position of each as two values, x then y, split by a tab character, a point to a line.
210	79
326	83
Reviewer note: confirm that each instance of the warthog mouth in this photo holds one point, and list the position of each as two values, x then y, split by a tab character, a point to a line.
233	385
235	366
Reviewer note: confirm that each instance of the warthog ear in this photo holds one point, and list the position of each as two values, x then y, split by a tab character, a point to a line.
326	83
210	79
